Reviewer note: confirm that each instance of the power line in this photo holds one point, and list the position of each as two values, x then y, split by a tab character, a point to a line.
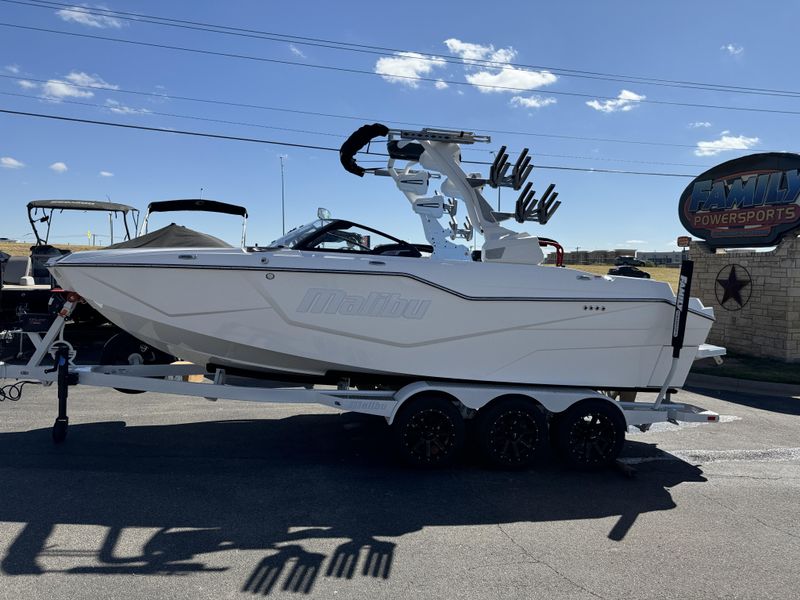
352	117
146	112
297	145
385	51
372	73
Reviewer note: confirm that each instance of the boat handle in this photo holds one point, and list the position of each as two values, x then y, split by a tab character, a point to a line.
187	256
377	262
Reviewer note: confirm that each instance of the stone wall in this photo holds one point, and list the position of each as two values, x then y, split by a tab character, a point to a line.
768	324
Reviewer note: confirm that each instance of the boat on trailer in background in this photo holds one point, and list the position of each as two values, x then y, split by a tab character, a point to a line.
427	335
26	286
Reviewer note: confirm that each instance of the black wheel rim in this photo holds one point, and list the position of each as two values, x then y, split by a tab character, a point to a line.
430	436
513	437
592	439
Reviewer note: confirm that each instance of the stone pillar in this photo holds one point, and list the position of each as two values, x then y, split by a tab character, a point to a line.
768	323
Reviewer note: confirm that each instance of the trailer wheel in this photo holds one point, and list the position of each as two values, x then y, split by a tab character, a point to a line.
591	434
124	349
429	432
512	433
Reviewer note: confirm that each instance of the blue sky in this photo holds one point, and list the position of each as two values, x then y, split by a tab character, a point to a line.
711	42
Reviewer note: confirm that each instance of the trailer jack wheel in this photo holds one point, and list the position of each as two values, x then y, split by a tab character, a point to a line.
60	428
591	434
512	433
429	432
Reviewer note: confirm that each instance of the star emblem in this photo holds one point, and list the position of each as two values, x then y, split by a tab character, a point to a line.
732	286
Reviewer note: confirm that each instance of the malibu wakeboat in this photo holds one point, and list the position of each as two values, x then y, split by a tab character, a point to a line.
334	299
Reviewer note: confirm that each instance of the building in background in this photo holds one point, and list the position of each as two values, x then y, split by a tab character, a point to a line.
591	257
607	257
662	259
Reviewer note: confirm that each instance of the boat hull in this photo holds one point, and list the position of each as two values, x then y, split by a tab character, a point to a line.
317	315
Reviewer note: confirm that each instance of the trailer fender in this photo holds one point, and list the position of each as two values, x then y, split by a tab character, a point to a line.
476	396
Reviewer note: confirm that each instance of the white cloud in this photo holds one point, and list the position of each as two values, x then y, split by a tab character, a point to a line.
531	101
81	78
510	79
698	124
78	14
56	89
470	53
106	174
635	242
489	69
26	85
404	67
12	69
121	109
441	85
724	143
624	102
59	167
296	51
732	49
10	163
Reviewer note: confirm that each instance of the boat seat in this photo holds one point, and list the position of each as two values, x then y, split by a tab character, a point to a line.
39	257
397	250
15	269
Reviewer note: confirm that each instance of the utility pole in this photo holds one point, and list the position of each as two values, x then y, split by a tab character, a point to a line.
283	199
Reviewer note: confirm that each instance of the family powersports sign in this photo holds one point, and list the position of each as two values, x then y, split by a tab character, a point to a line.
751	201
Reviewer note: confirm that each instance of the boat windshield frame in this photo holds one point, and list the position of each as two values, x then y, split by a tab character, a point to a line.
300	234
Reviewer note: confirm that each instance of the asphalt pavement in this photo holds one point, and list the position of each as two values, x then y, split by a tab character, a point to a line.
157	496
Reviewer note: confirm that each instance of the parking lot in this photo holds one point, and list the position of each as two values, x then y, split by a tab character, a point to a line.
162	496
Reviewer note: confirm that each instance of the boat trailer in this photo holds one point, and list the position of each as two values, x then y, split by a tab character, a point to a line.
513	422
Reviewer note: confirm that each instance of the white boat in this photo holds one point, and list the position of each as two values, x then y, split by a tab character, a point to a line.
334	300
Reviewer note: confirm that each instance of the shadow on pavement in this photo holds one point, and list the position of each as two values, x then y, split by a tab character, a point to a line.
780	404
271	486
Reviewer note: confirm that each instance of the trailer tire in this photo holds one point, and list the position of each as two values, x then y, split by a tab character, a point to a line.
512	432
429	431
124	349
591	434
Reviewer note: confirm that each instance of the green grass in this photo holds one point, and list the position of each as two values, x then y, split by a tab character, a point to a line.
751	368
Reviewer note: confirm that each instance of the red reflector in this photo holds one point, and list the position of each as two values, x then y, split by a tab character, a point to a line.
712	418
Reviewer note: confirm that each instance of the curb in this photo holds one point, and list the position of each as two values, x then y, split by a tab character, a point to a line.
731	384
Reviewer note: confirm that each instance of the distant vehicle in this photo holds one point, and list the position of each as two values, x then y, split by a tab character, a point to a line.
628	271
630	261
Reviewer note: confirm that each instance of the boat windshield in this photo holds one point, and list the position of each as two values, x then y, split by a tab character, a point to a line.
298	234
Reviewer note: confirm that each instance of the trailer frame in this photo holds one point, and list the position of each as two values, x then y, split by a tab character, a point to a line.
471	399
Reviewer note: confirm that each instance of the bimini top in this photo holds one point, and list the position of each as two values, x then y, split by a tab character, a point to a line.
197	205
80	205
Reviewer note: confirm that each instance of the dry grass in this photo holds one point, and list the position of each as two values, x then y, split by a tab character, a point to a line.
15	249
668	274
